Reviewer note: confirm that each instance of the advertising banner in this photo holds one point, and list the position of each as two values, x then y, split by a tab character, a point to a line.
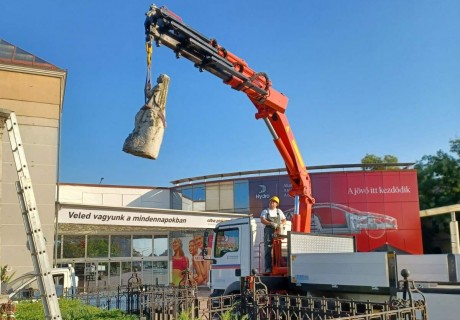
379	208
171	219
187	259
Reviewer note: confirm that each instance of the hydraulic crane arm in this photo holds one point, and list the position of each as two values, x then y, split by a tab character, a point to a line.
166	28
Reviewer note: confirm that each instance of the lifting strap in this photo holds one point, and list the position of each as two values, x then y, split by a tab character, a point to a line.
148	84
148	78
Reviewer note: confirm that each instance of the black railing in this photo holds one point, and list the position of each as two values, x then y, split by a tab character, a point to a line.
152	302
173	303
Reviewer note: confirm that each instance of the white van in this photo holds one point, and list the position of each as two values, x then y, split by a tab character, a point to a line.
26	286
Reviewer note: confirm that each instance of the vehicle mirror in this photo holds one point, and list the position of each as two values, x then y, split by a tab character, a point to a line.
205	239
204	251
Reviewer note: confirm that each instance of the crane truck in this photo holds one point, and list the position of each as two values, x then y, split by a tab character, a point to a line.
235	241
302	262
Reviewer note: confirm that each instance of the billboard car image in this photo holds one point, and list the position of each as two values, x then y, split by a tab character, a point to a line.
337	218
379	208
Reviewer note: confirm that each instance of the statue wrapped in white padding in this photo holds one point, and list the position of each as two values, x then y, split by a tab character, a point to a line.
150	123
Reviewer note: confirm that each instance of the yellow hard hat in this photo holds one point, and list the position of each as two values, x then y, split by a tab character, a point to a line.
276	199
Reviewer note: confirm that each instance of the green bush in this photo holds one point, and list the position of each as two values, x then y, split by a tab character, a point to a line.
5	275
70	310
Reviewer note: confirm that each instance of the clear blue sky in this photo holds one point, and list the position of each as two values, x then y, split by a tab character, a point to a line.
379	77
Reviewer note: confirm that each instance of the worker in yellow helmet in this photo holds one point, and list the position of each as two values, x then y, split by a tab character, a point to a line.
271	217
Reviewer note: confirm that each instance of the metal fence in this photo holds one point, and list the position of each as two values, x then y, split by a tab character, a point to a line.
318	308
152	302
173	303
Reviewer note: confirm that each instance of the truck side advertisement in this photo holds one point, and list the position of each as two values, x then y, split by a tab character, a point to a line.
379	208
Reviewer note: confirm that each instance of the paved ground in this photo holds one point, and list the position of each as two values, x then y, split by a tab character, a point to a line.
443	306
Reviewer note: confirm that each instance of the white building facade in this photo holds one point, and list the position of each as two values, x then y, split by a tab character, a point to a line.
125	232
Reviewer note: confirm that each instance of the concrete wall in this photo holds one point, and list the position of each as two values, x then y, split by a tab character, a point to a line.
36	96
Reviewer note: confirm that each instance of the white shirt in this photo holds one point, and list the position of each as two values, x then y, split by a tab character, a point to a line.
272	215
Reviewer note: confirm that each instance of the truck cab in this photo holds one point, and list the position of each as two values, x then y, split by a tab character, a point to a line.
237	250
231	255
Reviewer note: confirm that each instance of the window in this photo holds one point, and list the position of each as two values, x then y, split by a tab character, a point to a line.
193	198
160	272
227	241
147	276
219	197
142	246
58	247
199	198
176	199
241	196
114	274
212	197
120	246
137	266
126	273
187	192
187	198
98	246
160	246
199	193
103	273
74	246
226	196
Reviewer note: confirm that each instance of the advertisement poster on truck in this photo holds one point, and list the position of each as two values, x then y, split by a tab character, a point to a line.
379	208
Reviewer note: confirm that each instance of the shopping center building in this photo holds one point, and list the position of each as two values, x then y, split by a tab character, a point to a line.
109	232
124	229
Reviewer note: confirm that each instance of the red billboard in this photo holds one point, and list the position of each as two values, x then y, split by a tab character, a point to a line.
379	208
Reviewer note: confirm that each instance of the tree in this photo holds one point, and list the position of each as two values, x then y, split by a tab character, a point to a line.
439	178
377	163
438	185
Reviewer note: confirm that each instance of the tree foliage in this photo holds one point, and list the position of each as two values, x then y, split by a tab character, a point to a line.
439	178
438	186
374	162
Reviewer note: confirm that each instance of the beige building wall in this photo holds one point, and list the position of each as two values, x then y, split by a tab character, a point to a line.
36	96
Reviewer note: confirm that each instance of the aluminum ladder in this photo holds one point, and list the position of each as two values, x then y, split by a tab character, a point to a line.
36	241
